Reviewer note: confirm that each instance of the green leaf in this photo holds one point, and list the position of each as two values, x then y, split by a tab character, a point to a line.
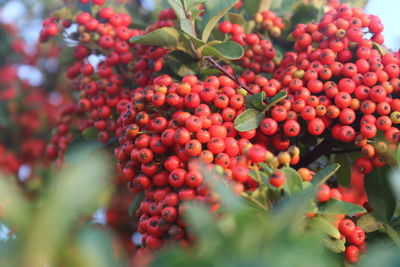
293	182
324	174
193	4
227	50
135	203
267	169
322	225
382	50
334	206
15	209
335	245
214	11
76	191
182	63
254	6
227	198
64	13
95	246
368	223
178	8
185	24
276	99
282	6
379	193
236	18
90	133
166	36
343	175
305	13
248	120
289	213
398	156
355	3
80	149
256	101
84	7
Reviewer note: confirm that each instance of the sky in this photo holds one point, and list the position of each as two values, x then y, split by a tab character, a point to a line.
388	11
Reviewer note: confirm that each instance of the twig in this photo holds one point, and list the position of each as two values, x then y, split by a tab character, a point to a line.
254	201
346	150
230	76
324	148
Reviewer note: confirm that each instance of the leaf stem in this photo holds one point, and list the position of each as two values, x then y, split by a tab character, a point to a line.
391	233
230	76
255	201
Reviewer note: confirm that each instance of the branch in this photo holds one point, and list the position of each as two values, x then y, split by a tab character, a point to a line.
230	76
324	148
346	150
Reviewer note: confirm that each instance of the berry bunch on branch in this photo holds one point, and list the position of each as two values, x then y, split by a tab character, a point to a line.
274	106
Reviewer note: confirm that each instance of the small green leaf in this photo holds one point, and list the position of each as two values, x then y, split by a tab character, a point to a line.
182	63
283	6
382	50
265	179
356	3
187	27
368	223
334	206
305	13
90	133
255	6
289	212
293	182
380	194
214	11
335	245
135	203
290	37
322	225
276	99
248	120
323	175
193	4
227	50
398	156
227	198
166	36
267	169
63	13
184	22
84	7
178	8
343	175
236	18
256	101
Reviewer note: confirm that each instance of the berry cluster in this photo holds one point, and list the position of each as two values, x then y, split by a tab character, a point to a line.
161	130
341	85
270	22
259	53
102	87
355	239
165	127
345	84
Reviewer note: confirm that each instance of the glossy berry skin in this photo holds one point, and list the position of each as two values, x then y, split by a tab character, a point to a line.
347	227
357	237
352	254
277	179
324	193
257	154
